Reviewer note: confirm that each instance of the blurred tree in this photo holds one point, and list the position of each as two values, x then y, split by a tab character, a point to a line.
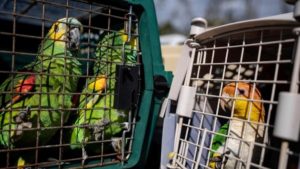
167	29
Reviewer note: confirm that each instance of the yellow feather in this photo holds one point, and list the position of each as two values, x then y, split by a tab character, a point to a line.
59	34
21	163
243	106
214	164
171	155
92	102
99	84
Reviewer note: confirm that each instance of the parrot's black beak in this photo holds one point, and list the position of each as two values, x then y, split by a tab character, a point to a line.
73	38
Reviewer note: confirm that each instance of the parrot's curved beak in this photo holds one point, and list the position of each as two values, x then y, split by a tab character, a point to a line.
73	38
225	101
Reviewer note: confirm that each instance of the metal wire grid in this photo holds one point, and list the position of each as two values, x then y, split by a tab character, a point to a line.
19	44
261	57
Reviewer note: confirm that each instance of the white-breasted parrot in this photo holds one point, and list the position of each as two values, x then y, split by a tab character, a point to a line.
97	119
236	96
33	105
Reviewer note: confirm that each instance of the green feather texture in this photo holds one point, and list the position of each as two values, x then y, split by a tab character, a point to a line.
40	112
219	140
101	121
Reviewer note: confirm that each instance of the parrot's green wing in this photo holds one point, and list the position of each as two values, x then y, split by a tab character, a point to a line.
111	50
101	118
219	140
8	88
56	74
92	123
215	160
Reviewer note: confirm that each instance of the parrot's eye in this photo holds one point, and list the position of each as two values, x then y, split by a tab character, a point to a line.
241	91
56	28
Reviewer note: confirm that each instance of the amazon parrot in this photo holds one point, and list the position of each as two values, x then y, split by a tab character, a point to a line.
227	146
40	97
97	118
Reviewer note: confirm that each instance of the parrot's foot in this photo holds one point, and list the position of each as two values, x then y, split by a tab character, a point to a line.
23	116
116	143
217	160
20	127
125	125
121	114
98	128
22	122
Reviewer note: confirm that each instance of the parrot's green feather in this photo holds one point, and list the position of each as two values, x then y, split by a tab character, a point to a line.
102	114
109	119
60	71
219	140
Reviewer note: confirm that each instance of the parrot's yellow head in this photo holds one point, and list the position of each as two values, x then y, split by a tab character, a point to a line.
66	31
242	107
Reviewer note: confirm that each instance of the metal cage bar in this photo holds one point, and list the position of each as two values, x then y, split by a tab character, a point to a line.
262	57
98	20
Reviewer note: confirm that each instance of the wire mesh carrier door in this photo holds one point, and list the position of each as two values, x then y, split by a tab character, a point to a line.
71	84
238	71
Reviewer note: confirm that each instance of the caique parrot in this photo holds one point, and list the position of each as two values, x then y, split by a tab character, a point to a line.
235	94
32	102
97	119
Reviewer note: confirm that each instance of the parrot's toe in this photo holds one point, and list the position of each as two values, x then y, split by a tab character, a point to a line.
98	136
84	155
217	160
22	116
125	125
116	143
19	130
27	125
20	127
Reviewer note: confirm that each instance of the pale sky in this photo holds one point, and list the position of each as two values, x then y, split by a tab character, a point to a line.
179	13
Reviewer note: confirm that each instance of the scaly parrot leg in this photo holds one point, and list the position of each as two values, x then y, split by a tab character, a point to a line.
99	127
121	114
125	125
116	143
23	115
22	122
217	160
84	155
18	131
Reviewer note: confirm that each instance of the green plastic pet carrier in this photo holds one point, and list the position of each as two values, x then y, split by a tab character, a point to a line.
81	83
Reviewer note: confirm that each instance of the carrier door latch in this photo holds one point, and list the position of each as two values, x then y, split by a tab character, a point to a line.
161	86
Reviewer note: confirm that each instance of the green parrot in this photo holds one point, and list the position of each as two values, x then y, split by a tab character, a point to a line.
97	119
32	103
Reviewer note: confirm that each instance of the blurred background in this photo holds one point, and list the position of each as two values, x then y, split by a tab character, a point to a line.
174	18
